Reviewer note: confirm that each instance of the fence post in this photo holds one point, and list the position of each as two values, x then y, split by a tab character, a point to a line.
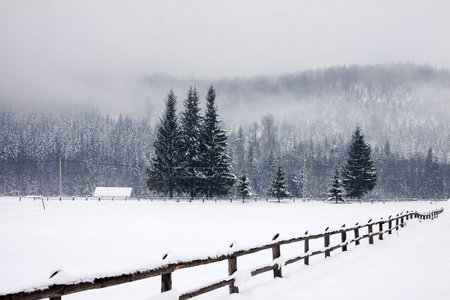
380	227
390	226
166	282
369	227
343	239
276	252
306	251
326	243
396	223
356	235
232	268
402	222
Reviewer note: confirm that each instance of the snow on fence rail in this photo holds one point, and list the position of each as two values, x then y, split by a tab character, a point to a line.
56	291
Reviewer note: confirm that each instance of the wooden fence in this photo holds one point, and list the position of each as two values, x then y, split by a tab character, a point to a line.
374	229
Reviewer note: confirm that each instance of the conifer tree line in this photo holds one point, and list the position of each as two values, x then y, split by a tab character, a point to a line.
190	155
96	149
92	148
310	165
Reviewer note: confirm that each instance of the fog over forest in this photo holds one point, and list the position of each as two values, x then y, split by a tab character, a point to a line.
303	119
84	82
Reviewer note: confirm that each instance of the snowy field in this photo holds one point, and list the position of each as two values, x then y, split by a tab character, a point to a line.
91	238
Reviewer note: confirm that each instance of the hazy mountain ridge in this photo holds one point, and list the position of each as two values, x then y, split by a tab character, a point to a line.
305	118
403	103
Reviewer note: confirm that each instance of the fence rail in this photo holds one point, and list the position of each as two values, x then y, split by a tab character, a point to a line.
203	199
374	229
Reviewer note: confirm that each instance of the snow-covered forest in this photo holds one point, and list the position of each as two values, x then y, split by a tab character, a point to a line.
303	120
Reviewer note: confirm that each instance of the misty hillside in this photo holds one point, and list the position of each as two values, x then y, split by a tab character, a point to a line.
306	120
404	103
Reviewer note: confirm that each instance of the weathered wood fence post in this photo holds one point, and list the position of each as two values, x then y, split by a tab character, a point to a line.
356	235
390	225
380	228
166	282
232	268
369	227
276	252
326	243
343	239
306	261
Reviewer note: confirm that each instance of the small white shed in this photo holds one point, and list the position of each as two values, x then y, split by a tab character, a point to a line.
112	192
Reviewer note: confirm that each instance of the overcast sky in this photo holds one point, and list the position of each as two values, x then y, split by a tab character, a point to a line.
69	49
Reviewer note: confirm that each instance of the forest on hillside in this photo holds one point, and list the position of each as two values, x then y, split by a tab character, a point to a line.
303	120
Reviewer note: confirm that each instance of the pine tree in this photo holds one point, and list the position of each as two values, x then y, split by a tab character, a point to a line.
432	183
163	171
190	139
278	188
268	168
243	186
336	191
303	180
294	185
359	175
239	150
251	166
216	166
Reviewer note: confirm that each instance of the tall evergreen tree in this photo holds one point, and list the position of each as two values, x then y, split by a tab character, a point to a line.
304	181
268	167
336	191
278	188
432	183
359	175
163	172
251	167
239	150
190	139
243	186
294	185
216	165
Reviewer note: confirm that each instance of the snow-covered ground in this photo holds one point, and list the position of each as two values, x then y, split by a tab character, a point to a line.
91	238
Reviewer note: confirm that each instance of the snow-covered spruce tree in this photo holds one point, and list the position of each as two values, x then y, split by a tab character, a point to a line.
239	150
432	183
190	145
163	172
267	167
216	164
359	175
243	186
278	188
294	185
336	191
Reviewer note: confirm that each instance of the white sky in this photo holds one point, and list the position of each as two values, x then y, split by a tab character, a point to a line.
83	48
